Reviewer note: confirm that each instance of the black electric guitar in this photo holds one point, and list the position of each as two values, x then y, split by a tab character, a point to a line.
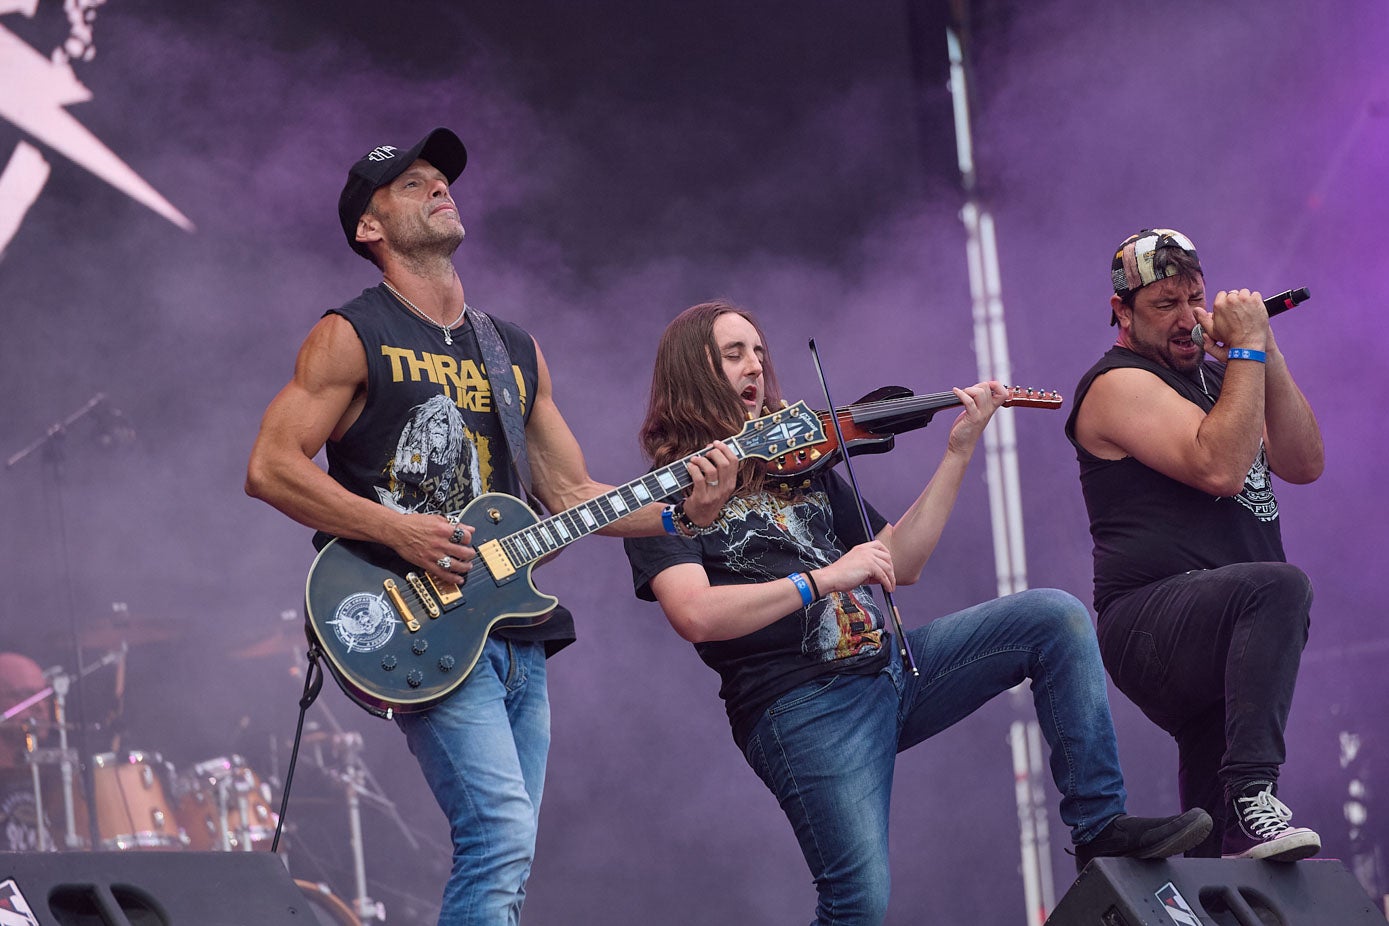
397	639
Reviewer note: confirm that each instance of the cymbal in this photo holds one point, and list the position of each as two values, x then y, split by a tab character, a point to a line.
111	632
280	643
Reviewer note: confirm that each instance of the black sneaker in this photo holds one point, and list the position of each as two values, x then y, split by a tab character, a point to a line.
1146	837
1260	828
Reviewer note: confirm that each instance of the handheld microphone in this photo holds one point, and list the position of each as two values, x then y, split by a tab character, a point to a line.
1277	305
1273	305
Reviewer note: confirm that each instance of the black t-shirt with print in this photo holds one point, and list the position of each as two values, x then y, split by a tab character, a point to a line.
768	536
428	438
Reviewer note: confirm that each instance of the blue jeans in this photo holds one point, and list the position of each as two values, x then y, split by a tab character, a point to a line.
483	752
827	749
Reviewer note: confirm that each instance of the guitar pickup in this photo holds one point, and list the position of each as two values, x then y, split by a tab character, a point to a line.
446	592
412	623
498	563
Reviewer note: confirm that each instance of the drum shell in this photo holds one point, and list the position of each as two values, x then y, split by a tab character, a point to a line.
131	791
250	816
328	908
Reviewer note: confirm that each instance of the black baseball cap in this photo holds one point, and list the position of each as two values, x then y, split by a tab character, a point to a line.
384	163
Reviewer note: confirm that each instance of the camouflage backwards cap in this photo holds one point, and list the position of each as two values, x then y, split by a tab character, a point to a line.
1132	267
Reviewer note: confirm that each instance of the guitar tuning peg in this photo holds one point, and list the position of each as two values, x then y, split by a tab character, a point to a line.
785	404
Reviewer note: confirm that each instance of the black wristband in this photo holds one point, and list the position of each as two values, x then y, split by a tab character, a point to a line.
684	524
813	586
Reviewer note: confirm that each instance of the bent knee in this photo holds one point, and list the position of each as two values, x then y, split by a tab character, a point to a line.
1277	590
1060	608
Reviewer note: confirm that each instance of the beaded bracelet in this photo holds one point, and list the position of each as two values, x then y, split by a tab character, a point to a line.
677	522
1245	353
803	587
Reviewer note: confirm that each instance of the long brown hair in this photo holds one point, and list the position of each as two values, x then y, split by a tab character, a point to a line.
692	402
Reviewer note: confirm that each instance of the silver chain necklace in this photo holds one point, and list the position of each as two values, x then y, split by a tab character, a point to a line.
446	329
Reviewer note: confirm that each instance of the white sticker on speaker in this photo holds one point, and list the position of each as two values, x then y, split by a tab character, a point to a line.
1176	906
14	909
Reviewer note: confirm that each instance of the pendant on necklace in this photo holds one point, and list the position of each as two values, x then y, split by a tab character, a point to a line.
448	336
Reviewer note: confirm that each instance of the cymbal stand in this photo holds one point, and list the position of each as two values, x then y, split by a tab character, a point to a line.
354	776
51	446
36	759
359	784
61	683
223	816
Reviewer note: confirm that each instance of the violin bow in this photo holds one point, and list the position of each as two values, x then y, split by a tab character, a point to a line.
907	658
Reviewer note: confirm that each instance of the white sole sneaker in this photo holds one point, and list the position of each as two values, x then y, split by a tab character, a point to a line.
1292	845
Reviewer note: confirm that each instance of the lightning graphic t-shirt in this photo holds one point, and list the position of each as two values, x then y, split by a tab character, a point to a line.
1147	526
768	536
428	439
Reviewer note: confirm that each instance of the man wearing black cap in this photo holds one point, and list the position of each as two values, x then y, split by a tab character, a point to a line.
1202	621
395	384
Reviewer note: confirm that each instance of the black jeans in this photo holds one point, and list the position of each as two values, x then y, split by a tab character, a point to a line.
1211	656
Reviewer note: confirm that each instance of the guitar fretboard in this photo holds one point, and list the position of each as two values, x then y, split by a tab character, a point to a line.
764	438
547	536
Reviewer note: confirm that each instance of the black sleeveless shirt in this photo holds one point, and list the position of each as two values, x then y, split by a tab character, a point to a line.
428	439
1147	526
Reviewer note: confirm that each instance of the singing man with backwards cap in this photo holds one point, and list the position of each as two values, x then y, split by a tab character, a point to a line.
1202	621
394	383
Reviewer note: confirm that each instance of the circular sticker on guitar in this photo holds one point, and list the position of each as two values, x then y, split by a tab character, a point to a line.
364	623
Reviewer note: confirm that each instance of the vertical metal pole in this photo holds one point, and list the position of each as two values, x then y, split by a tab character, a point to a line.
1027	823
1001	467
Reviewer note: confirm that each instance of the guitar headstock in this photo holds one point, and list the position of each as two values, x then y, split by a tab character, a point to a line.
772	435
1027	397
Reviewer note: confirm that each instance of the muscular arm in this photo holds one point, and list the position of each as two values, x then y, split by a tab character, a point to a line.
561	478
321	401
1293	438
1131	412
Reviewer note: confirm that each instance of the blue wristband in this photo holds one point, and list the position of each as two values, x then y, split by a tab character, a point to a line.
668	520
1244	353
803	587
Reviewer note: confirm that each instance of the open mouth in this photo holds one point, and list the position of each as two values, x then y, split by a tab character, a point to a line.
749	395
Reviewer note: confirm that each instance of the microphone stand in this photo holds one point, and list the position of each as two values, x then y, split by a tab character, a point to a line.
52	446
907	658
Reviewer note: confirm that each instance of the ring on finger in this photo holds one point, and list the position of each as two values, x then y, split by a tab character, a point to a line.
457	536
444	562
712	483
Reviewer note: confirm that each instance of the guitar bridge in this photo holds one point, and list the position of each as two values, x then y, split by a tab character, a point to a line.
412	623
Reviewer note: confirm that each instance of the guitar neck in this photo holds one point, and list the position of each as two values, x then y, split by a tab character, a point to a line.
560	530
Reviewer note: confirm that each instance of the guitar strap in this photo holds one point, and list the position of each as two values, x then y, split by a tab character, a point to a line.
504	398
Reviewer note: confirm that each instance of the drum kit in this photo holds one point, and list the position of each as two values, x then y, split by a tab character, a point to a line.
132	799
138	801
